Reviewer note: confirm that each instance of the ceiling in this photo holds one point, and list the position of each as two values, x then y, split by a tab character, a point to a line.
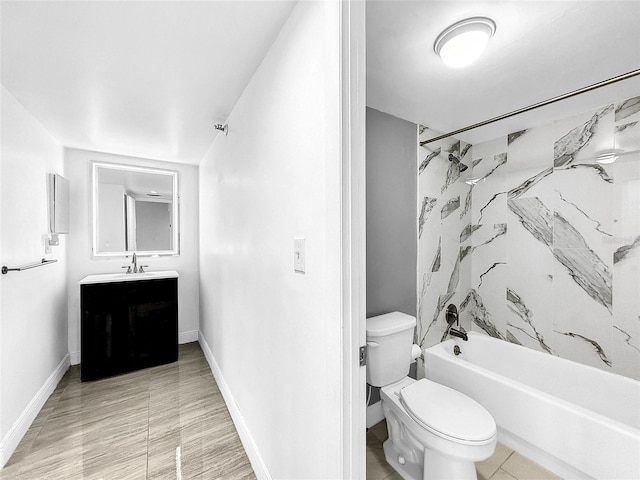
146	79
541	49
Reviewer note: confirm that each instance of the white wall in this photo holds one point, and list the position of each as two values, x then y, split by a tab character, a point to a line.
33	343
78	168
274	334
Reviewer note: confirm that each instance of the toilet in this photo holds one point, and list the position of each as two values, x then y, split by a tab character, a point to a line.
435	432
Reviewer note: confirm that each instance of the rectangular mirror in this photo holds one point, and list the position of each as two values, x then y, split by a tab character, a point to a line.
58	204
135	209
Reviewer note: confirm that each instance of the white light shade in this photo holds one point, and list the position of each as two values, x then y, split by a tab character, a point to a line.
607	158
463	42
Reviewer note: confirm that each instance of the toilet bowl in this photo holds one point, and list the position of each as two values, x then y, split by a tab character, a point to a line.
435	432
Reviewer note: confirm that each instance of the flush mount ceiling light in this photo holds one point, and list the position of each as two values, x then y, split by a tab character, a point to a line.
609	156
463	42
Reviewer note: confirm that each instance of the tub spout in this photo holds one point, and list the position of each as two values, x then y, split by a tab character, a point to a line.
458	333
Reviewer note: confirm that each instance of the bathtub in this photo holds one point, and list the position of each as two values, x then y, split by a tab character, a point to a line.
575	420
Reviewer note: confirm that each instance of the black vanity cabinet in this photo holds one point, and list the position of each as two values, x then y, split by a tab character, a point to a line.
128	325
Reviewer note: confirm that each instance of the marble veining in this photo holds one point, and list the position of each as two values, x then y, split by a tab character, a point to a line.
427	206
427	160
529	183
624	251
585	267
567	147
627	108
512	137
450	207
599	169
549	220
626	126
486	205
627	338
467	231
535	217
479	314
467	202
512	339
500	230
499	160
435	265
453	172
598	226
465	150
598	349
495	264
581	262
517	306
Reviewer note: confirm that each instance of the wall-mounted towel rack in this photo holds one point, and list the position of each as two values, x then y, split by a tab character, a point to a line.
42	262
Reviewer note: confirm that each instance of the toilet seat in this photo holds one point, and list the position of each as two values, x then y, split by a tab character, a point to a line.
448	413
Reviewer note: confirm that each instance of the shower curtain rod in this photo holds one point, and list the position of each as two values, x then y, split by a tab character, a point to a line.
604	83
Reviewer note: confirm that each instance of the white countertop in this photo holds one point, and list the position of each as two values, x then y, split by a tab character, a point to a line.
127	277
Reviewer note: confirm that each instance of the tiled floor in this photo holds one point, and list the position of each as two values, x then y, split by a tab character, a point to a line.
504	464
166	422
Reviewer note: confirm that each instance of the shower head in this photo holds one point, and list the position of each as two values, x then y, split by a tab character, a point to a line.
223	128
454	159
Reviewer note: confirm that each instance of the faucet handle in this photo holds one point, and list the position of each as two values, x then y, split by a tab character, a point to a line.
140	268
128	267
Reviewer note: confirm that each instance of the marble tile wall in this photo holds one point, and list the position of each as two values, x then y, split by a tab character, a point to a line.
548	247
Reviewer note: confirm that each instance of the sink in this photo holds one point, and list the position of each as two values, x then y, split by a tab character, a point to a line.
127	277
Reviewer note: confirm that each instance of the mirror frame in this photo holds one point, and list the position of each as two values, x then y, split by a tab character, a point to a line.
94	211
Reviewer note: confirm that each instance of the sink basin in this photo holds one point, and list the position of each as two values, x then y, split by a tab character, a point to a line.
127	277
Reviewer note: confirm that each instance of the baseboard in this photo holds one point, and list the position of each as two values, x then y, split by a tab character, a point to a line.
188	337
22	424
259	467
375	414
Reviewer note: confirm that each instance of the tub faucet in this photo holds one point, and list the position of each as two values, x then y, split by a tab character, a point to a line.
451	315
134	261
458	333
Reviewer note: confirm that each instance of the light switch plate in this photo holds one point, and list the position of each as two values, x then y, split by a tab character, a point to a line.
298	255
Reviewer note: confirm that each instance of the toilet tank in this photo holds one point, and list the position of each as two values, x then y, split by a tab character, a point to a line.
389	341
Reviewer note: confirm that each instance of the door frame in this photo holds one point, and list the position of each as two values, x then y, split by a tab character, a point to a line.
353	232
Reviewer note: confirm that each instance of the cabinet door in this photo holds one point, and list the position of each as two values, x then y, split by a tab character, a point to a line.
106	319
156	322
127	326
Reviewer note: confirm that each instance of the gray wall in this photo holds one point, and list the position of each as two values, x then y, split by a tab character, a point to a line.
391	214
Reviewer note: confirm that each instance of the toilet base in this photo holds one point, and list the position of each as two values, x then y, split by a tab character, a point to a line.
440	467
434	466
408	470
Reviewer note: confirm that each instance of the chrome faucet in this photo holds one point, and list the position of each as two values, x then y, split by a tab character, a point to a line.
134	260
451	315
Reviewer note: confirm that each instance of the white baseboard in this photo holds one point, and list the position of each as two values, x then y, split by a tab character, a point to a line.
188	337
375	414
29	414
248	443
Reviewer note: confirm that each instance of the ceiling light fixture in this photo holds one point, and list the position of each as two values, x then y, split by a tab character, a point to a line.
607	157
463	42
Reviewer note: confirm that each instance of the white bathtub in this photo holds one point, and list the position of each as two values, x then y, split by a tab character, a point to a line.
575	420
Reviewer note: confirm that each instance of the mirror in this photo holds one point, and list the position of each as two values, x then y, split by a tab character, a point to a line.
135	209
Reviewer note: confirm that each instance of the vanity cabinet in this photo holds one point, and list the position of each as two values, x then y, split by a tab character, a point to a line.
128	325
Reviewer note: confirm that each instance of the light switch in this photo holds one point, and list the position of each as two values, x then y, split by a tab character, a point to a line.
298	255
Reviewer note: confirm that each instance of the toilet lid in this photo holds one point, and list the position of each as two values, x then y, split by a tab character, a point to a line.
447	412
